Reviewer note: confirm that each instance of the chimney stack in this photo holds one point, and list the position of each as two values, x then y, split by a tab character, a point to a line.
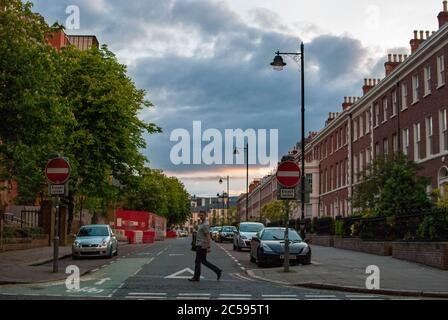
393	61
369	84
417	41
443	15
348	102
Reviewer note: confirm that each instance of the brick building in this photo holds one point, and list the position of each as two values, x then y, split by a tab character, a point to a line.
407	110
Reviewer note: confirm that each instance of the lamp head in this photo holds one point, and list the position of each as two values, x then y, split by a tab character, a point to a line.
278	64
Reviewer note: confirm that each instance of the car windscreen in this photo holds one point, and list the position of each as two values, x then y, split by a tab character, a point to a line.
279	234
93	232
254	228
229	229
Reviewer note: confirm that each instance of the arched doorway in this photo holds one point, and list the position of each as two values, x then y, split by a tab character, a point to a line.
443	180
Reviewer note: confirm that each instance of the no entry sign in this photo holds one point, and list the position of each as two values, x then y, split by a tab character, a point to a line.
288	174
57	171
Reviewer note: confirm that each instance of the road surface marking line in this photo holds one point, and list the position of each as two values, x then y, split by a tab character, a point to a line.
368	297
239	264
279	295
95	270
121	286
136	272
192	298
143	298
194	294
322	299
281	299
223	298
316	263
234	295
146	294
319	296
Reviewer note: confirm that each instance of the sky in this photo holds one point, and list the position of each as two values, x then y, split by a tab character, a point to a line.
208	61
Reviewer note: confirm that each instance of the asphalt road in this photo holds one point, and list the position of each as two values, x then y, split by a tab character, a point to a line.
160	271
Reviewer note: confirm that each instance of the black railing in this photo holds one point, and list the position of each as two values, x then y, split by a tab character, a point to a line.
30	218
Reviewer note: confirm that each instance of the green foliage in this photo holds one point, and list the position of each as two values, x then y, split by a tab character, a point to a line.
324	226
17	232
433	228
391	185
339	228
274	211
153	191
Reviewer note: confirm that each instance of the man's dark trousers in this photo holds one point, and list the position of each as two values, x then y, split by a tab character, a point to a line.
201	258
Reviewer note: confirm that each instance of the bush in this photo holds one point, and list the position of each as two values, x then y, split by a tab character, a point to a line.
375	229
433	228
339	228
28	232
323	226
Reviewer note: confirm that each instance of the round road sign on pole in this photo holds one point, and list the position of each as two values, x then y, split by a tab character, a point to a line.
57	171
288	174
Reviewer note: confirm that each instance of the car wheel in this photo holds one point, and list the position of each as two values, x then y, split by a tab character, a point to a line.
74	257
111	253
116	252
234	246
307	260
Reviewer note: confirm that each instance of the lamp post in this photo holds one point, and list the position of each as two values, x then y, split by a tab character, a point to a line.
235	152
278	64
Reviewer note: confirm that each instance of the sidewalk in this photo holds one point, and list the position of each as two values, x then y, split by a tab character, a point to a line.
36	266
336	269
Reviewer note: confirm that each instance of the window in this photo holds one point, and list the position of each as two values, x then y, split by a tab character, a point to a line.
404	96
395	142
331	179
330	141
337	140
355	129
440	70
385	147
443	130
355	168
394	103
415	85
427	80
377	149
429	136
417	142
377	115
361	162
406	141
367	122
309	179
361	126
338	181
384	109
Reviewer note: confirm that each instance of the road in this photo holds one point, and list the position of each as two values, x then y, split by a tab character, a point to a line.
160	271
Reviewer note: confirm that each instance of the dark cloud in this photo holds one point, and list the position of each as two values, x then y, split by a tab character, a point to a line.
203	62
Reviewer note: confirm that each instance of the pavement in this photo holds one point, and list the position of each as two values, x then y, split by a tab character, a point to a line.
36	265
160	271
345	270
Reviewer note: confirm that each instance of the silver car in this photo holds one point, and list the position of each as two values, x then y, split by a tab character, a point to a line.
95	241
243	236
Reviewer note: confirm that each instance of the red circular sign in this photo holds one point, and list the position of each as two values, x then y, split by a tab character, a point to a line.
57	171
288	174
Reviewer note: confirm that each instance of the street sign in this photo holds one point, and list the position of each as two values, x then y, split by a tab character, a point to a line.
288	174
287	194
57	171
57	189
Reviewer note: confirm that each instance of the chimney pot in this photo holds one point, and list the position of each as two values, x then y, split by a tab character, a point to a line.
389	56
395	58
445	6
422	35
415	34
427	34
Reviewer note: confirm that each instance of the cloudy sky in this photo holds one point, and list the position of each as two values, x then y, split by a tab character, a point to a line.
208	61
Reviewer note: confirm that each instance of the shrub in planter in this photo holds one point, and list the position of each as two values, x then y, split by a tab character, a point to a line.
339	228
433	228
377	229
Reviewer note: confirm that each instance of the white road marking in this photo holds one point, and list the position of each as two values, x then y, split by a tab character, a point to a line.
319	296
279	295
194	294
281	299
136	272
234	295
316	263
95	270
176	254
143	298
146	294
192	298
230	298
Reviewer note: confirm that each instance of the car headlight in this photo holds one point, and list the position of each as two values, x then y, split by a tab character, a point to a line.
306	250
104	243
267	248
77	244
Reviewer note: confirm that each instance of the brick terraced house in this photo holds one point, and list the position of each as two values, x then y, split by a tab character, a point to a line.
407	110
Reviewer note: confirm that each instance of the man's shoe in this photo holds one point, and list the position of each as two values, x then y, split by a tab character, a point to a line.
193	280
219	274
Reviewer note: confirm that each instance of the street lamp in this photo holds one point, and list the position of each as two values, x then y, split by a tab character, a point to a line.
278	64
235	152
221	181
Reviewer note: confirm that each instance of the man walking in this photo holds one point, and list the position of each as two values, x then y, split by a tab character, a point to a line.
202	247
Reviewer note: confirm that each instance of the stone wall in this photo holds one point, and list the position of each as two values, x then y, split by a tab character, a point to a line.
427	253
24	243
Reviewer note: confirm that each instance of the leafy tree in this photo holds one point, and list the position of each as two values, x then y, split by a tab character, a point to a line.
275	210
391	185
105	141
33	115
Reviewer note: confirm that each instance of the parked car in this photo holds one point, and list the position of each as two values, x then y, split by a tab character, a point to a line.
95	241
213	229
215	234
183	233
268	248
227	234
244	234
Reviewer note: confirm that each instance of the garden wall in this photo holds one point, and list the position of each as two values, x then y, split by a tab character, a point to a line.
24	243
324	241
431	254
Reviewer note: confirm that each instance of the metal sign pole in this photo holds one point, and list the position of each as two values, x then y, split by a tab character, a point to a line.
286	263
56	239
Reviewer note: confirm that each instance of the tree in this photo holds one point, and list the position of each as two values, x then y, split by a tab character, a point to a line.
391	185
33	115
166	196
275	211
105	141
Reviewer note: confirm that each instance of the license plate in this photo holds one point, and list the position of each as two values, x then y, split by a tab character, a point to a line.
290	257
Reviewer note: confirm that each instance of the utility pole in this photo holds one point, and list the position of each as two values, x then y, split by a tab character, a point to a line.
286	263
56	239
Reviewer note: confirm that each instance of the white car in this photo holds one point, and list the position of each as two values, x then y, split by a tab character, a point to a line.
243	236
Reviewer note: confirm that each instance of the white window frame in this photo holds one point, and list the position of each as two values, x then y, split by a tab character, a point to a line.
427	76
355	168
377	115
404	96
406	141
361	126
415	88
386	147
443	130
417	140
385	107
394	103
395	143
355	129
367	117
429	136
440	71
